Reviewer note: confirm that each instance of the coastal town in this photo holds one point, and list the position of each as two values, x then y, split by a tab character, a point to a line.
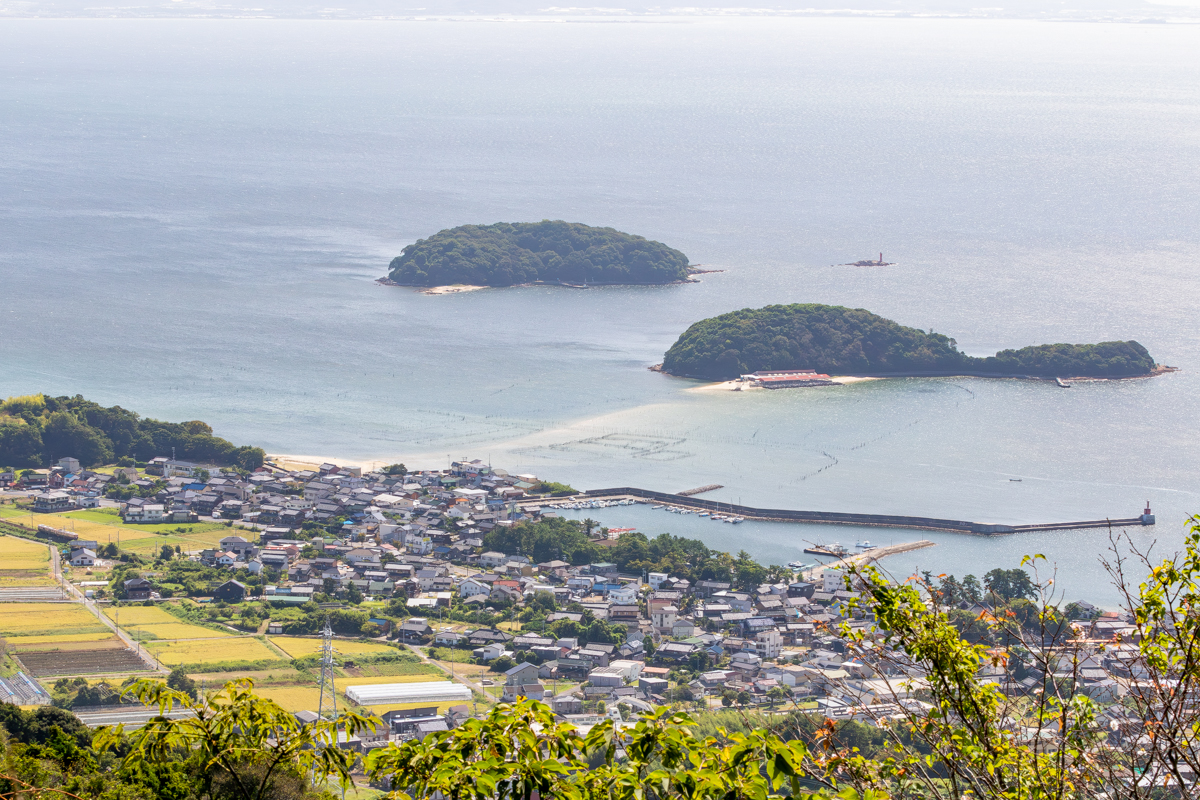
402	562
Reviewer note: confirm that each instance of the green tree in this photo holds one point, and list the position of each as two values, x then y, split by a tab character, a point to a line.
972	590
246	747
65	435
1010	584
180	681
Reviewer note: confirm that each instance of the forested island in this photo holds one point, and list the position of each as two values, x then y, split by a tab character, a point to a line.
511	253
852	341
36	430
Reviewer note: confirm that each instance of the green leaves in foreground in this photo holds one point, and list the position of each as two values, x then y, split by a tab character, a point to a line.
244	743
522	749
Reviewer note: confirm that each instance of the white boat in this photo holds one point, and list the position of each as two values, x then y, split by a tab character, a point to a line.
865	545
704	514
738	520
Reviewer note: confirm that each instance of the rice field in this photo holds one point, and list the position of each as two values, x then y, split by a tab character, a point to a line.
64	638
139	615
297	647
152	622
24	563
172	630
210	651
21	554
41	619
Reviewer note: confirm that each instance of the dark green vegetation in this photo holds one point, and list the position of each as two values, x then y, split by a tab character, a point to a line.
36	431
506	253
567	540
849	341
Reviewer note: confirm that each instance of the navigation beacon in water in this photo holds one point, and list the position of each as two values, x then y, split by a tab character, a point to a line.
879	263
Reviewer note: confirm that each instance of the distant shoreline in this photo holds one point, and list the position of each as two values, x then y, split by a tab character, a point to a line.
457	288
1159	369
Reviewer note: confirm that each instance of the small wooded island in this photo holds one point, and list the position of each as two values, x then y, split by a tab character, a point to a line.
550	251
853	341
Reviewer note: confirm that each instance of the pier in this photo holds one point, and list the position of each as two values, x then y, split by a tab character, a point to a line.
866	557
712	487
840	518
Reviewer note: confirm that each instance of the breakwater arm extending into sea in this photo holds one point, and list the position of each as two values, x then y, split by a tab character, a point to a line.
840	518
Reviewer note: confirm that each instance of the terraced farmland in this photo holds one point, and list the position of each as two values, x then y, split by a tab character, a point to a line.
212	651
298	647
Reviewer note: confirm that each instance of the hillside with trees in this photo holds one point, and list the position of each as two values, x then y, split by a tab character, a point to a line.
37	430
506	254
853	341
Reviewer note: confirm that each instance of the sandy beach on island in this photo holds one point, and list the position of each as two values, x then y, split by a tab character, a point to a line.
739	386
453	289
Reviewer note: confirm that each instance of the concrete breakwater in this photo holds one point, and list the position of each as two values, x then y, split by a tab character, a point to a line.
840	518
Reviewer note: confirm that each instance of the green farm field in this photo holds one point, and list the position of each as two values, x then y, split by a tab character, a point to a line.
105	527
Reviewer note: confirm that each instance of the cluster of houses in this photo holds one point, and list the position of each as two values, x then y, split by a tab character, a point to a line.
420	535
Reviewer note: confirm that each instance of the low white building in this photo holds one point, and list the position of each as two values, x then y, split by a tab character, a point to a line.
150	513
626	595
630	670
493	559
426	692
471	587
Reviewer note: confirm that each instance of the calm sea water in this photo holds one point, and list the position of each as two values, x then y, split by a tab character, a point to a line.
192	215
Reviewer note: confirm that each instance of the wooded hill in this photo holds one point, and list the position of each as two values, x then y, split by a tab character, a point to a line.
507	253
37	430
853	341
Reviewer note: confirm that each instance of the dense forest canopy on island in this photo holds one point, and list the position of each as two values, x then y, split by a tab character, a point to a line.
37	430
849	341
505	254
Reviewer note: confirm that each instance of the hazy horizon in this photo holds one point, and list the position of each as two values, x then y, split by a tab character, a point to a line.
1128	11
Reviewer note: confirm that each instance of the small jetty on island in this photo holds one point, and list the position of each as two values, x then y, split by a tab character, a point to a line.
879	263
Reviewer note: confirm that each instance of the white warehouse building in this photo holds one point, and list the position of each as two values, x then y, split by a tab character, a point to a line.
387	693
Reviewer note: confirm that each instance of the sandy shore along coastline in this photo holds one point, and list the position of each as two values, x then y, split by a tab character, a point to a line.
739	386
453	289
291	461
